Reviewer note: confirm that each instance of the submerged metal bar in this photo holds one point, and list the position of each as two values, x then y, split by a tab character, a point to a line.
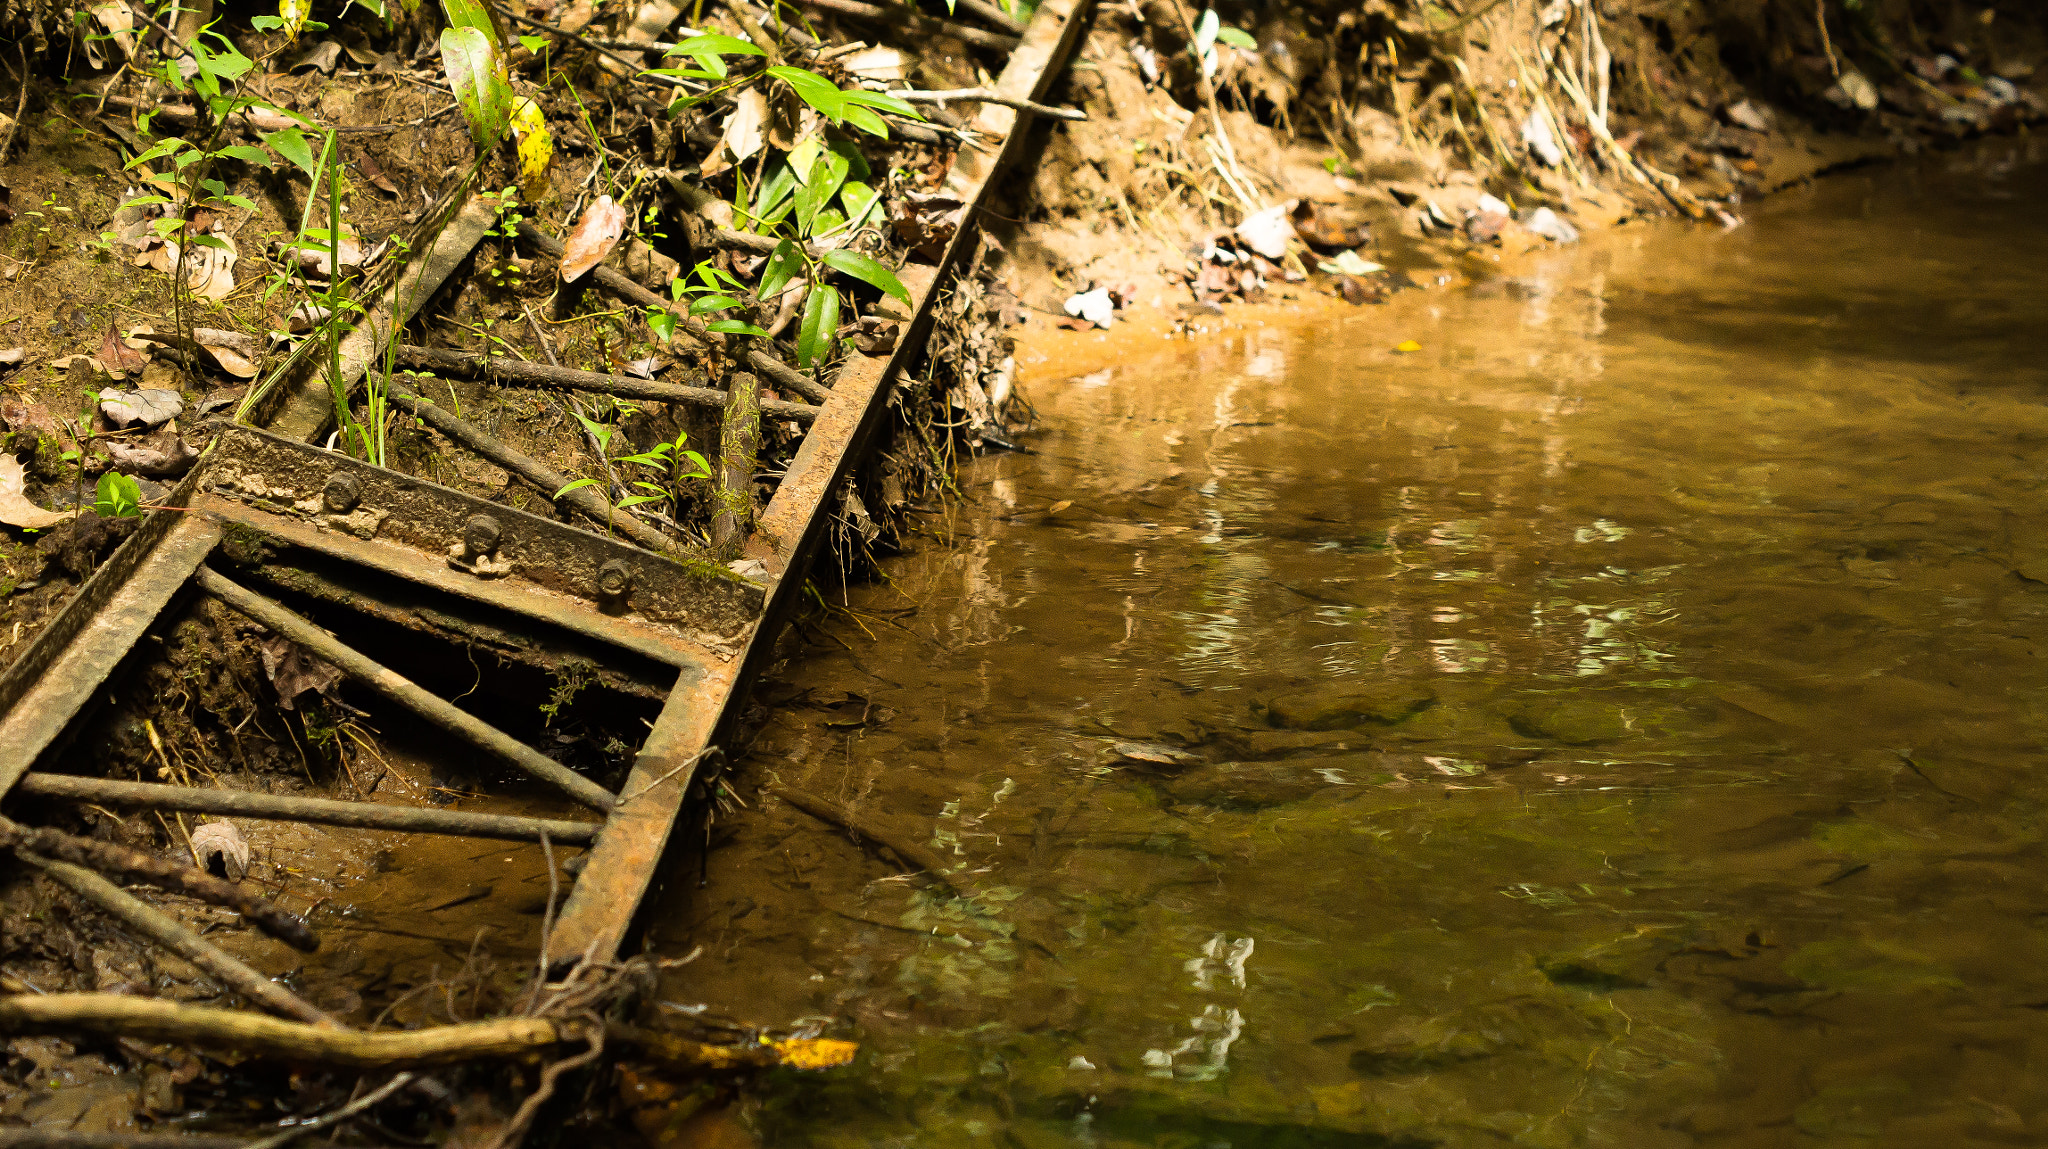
320	811
405	692
166	931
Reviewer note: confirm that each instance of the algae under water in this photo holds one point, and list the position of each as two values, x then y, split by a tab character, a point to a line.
1616	724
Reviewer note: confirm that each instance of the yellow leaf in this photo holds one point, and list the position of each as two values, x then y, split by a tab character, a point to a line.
1407	345
814	1053
294	14
536	146
1056	508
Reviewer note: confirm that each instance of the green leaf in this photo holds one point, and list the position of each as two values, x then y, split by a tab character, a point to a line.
636	500
477	75
735	327
291	143
662	322
1237	38
533	44
713	42
867	271
577	485
266	23
785	263
884	101
821	324
703	469
712	303
117	497
828	175
161	148
245	153
857	198
813	89
867	121
471	14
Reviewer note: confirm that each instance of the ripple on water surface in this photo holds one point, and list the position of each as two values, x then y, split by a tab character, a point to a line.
1615	724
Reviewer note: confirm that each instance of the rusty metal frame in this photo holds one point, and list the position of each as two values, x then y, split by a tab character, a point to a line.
629	852
715	629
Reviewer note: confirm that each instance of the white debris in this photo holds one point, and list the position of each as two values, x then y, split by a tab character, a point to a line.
1093	306
1551	226
1536	137
1268	231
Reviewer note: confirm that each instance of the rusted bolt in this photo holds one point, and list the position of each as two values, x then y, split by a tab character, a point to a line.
614	579
341	494
480	535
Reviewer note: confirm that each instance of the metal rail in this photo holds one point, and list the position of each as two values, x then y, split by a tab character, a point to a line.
271	494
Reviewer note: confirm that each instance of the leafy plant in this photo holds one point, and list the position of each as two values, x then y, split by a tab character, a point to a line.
117	497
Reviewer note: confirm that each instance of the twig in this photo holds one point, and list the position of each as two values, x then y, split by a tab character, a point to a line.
983	95
20	106
515	1130
492	368
1820	18
910	856
293	1133
134	865
900	15
173	935
638	69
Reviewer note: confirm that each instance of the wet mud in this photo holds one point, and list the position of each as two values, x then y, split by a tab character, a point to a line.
1613	722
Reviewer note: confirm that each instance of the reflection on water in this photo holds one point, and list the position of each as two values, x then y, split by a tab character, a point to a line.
1617	724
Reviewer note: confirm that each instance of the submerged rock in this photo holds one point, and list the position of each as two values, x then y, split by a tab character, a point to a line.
1574	722
1347	705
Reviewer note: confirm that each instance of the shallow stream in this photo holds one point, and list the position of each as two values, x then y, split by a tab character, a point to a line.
1617	723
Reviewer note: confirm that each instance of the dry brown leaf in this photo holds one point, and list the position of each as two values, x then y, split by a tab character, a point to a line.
294	670
118	356
235	352
15	509
223	839
595	236
744	133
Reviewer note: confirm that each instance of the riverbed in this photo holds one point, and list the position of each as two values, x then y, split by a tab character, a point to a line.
1615	723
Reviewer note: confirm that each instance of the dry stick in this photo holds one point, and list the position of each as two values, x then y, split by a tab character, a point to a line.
794	35
493	368
994	41
637	67
292	1133
173	935
405	692
786	377
1208	93
550	483
135	866
318	811
909	855
994	15
760	37
252	1035
984	96
32	1137
739	447
21	104
623	286
1664	182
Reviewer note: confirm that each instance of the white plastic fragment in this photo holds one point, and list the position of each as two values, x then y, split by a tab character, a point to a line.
1094	306
1536	137
1267	232
1551	226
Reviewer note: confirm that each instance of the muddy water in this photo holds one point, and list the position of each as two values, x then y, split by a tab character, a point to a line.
1617	723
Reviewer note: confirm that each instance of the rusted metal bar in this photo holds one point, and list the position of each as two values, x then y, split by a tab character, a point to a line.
568	379
169	933
319	811
628	852
44	689
309	405
739	448
551	483
405	692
